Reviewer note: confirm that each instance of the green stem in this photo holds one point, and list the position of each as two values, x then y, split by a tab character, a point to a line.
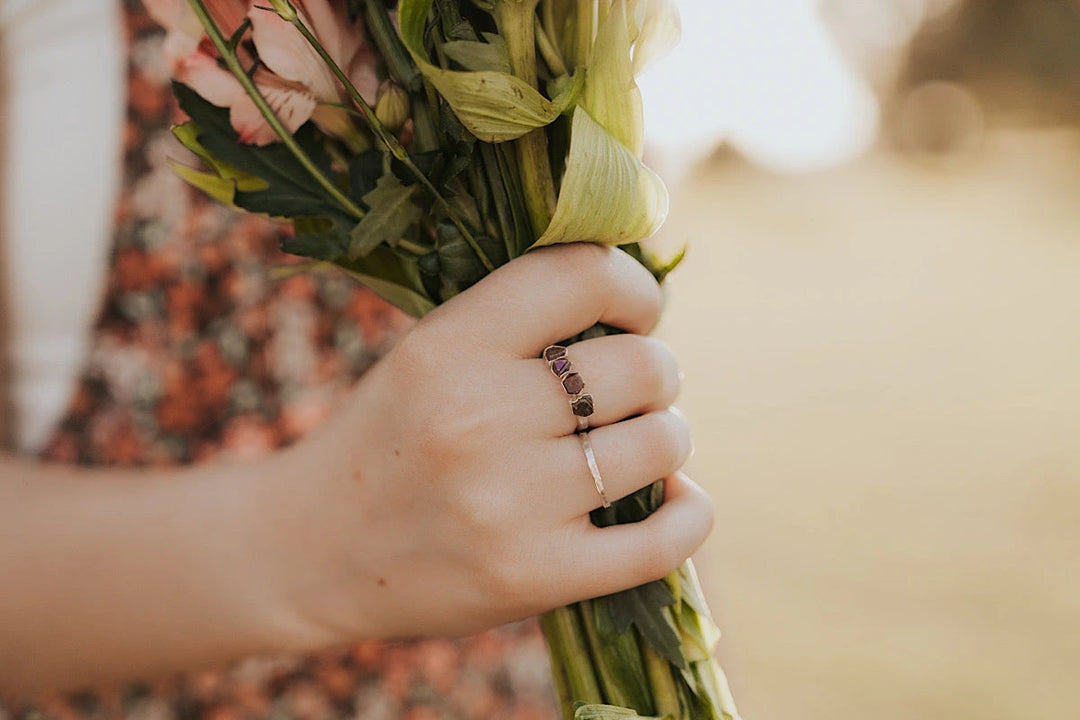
399	64
286	137
570	659
617	660
584	27
516	22
665	694
548	50
388	140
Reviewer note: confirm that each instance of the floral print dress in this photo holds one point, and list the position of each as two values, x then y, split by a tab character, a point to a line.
198	354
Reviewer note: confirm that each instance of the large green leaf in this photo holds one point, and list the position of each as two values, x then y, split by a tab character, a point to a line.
494	106
607	195
288	189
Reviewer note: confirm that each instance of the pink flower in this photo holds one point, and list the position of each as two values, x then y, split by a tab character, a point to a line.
291	76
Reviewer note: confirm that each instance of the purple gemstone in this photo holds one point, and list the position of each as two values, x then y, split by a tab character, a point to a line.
554	352
560	367
573	383
583	406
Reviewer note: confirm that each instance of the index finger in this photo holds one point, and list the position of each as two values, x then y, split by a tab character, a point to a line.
553	293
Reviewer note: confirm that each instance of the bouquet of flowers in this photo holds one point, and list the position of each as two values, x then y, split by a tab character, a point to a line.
419	147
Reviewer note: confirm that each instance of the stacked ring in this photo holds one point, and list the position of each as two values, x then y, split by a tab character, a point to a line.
581	403
594	469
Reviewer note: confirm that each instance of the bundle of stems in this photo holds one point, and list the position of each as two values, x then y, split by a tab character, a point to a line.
500	126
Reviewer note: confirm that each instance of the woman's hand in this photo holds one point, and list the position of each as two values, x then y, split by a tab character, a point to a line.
452	493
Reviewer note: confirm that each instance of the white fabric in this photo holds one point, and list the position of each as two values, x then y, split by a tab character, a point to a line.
65	64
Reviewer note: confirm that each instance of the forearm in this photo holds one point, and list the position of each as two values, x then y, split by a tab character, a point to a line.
110	575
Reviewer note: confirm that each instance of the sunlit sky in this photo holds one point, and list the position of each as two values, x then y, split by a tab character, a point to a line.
764	75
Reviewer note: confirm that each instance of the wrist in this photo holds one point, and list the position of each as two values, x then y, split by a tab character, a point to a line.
302	536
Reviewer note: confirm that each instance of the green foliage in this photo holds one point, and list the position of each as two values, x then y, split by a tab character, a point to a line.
645	607
288	191
606	712
391	213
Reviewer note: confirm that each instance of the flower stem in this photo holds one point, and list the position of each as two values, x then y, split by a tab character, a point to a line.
516	22
388	140
549	52
286	137
570	659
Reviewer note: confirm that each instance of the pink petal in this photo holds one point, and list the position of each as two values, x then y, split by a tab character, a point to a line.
214	83
285	51
228	14
177	15
362	74
291	102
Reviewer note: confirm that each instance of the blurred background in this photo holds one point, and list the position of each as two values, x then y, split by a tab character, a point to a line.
878	320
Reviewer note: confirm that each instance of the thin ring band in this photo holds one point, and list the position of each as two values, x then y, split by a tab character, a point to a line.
590	458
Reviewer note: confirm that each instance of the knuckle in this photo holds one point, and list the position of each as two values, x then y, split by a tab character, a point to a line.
665	557
671	440
657	368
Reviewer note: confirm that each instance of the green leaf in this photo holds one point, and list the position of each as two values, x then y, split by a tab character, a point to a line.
316	238
607	195
646	608
617	659
391	214
494	106
188	135
212	184
393	277
402	297
477	56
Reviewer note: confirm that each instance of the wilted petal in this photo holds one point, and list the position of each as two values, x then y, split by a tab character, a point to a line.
660	31
607	195
611	95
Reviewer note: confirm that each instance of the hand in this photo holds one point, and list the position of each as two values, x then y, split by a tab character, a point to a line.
452	494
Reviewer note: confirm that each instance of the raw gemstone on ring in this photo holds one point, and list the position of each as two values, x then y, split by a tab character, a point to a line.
583	406
573	384
554	352
560	367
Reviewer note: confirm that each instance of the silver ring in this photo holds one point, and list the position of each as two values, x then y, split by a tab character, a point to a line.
590	458
581	403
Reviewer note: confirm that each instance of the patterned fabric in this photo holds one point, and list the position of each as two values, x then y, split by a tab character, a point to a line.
199	354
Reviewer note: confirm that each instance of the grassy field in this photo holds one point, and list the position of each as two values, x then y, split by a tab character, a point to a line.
883	373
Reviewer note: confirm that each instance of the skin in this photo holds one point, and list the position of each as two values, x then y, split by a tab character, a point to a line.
448	495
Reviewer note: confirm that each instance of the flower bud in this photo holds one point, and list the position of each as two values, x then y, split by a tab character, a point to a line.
284	9
392	106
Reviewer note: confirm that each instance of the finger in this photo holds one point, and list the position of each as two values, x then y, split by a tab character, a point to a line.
551	294
607	560
626	375
629	455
